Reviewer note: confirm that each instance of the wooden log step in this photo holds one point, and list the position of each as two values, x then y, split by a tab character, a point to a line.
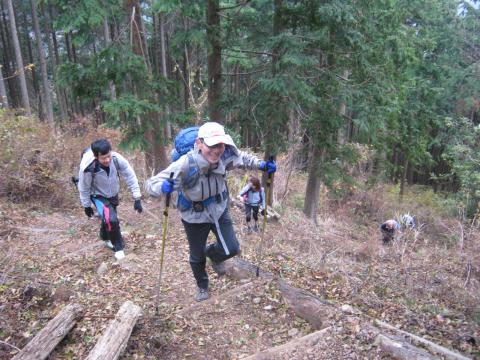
48	338
115	338
304	304
401	350
434	348
282	351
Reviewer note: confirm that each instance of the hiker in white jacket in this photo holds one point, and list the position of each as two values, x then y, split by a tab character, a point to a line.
200	178
98	183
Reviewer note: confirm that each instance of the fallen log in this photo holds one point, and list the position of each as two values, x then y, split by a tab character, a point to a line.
115	338
282	351
304	304
48	338
401	350
435	348
241	269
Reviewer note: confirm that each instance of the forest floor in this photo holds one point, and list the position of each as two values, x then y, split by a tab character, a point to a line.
426	283
51	258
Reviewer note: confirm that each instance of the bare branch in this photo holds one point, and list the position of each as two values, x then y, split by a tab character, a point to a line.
233	6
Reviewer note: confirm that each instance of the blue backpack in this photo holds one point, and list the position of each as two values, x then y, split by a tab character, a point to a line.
184	142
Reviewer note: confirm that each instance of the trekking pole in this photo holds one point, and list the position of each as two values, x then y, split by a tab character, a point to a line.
264	225
164	237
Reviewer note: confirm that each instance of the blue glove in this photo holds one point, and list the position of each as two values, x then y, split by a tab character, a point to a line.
269	166
167	187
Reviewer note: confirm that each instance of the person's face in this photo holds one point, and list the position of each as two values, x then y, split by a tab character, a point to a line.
104	160
211	153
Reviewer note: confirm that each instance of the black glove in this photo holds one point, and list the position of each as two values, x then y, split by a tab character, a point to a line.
137	205
262	212
88	211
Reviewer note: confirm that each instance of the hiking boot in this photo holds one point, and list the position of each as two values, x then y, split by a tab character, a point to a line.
255	228
248	230
219	268
109	244
202	294
119	255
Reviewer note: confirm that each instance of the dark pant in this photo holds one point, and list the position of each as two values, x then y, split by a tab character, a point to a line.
110	227
197	235
387	236
248	211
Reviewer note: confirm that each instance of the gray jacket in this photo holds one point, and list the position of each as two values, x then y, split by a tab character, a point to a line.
105	185
211	181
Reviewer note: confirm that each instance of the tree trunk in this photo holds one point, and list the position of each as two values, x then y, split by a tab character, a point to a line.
3	91
106	33
18	58
54	62
291	349
313	185
50	336
8	61
47	99
40	107
214	62
115	338
163	56
155	155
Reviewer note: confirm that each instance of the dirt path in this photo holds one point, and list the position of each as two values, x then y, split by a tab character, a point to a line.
55	258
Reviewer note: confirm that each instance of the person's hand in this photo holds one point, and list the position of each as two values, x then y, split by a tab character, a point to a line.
167	187
137	205
262	212
89	211
269	166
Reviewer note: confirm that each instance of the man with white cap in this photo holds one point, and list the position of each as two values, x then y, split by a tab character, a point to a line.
200	178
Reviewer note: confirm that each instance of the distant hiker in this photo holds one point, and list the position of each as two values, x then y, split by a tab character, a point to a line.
254	199
408	221
388	230
199	178
98	183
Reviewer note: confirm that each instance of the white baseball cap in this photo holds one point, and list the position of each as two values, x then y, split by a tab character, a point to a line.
213	133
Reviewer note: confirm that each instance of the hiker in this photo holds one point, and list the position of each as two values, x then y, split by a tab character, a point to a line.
199	178
98	183
409	221
388	230
254	199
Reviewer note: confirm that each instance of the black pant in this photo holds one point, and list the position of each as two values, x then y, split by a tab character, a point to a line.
249	208
110	227
197	235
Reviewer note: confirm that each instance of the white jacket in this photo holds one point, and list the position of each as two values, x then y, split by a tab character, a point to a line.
211	181
106	185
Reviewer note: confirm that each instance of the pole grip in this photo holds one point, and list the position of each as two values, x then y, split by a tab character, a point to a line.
167	200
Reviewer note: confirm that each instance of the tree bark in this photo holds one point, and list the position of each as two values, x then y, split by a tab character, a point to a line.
214	62
54	62
3	91
18	58
312	191
108	40
155	155
115	338
47	99
50	336
8	61
283	351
